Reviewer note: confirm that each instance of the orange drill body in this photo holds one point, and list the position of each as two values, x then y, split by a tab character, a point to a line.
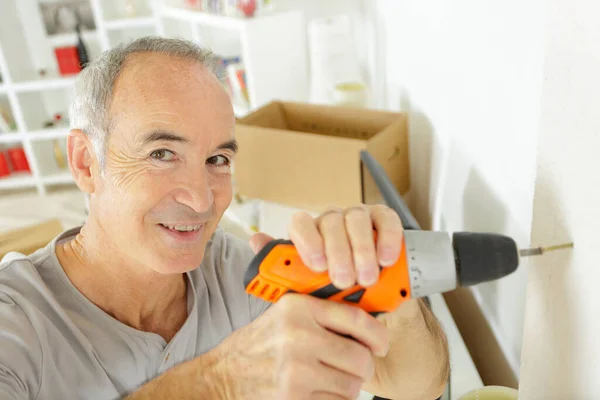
278	269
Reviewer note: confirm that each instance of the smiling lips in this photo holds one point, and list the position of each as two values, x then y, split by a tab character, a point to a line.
182	228
183	234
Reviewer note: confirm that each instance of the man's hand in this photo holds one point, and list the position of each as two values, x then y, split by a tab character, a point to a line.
342	242
296	350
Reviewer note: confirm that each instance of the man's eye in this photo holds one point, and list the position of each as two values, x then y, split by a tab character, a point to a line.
219	160
163	155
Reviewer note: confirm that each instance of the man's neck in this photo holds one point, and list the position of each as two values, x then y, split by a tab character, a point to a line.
138	297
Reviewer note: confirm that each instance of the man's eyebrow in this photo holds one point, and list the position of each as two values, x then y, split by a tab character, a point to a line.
229	145
159	135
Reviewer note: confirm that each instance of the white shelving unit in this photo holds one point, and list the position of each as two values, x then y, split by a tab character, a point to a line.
42	84
272	49
275	67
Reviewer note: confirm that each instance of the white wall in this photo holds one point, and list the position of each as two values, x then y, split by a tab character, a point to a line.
561	349
470	72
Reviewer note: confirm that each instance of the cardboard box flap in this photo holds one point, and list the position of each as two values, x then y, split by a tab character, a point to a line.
390	148
336	121
268	116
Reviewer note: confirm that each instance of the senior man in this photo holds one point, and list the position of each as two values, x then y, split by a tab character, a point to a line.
146	299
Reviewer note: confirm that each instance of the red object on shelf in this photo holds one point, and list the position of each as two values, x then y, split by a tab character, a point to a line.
18	159
4	170
248	7
68	60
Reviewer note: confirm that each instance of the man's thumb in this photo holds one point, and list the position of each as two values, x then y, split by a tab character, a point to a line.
259	240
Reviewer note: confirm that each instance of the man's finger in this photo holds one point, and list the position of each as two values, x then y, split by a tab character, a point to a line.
389	234
304	234
337	249
352	321
259	240
346	354
360	232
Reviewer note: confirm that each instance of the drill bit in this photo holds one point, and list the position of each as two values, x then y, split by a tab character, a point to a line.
537	251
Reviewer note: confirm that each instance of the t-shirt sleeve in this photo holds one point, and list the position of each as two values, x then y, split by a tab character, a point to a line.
20	352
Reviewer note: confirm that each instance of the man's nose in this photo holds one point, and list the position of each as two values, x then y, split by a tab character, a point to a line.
196	191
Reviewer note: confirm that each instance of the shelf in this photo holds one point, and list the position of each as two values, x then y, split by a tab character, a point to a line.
217	21
69	39
58	178
10	137
124	23
17	180
47	134
44	84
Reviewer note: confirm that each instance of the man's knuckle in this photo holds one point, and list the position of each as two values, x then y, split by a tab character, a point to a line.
319	309
393	215
332	209
288	303
379	209
356	213
300	218
331	219
360	318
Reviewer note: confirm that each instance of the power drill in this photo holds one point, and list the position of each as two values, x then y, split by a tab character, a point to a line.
430	262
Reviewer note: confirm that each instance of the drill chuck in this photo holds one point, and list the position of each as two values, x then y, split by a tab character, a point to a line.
483	257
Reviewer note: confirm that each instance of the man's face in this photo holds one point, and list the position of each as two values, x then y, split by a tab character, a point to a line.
167	180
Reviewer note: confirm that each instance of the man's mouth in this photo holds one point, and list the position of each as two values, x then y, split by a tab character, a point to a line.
182	228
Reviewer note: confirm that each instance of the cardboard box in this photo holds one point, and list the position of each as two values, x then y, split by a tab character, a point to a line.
28	240
308	156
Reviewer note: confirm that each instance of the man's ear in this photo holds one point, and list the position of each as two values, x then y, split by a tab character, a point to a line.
82	160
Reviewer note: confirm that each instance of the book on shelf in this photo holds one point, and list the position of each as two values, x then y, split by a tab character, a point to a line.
233	75
236	78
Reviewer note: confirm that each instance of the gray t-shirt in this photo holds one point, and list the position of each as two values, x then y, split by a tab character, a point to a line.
56	344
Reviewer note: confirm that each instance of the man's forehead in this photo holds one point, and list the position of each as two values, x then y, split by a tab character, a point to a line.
166	92
152	73
159	84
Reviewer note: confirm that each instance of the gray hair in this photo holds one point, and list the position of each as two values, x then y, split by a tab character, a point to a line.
94	85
